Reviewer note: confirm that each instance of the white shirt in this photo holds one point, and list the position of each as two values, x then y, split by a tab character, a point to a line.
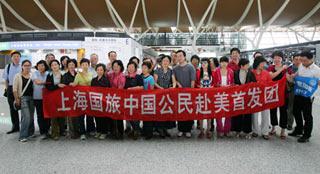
224	81
312	71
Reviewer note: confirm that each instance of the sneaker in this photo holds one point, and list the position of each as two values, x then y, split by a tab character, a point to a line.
92	134
83	137
238	135
44	137
255	135
188	134
201	135
220	135
23	140
135	135
229	134
32	136
209	134
266	137
180	134
55	138
97	136
248	137
102	136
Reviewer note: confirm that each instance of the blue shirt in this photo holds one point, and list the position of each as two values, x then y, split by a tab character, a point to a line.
37	89
148	82
14	69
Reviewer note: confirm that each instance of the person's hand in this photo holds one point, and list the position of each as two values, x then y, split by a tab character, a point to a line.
179	85
17	101
284	67
73	84
38	82
61	85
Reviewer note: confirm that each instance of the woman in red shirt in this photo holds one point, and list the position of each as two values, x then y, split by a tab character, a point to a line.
223	76
262	76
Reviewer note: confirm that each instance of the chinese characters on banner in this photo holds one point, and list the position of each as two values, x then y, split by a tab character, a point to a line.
163	105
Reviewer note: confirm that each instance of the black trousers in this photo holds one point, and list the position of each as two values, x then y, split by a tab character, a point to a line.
283	115
185	126
13	113
43	123
303	105
86	121
117	128
147	128
242	123
103	124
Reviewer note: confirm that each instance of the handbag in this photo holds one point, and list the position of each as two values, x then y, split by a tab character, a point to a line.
17	106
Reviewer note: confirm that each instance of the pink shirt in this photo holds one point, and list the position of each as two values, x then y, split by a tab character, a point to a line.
117	80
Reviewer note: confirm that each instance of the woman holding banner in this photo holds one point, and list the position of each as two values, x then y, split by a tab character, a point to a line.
223	76
205	80
148	84
103	123
39	80
277	71
164	79
263	76
84	79
243	123
134	81
53	82
117	80
67	79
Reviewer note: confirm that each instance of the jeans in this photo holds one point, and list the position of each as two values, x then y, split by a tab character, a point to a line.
27	122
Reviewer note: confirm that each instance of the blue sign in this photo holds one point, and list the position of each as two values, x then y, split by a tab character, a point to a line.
305	86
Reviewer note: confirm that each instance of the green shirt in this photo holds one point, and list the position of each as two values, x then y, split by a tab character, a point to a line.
82	79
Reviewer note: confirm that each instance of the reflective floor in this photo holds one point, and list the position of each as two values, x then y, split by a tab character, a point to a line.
175	155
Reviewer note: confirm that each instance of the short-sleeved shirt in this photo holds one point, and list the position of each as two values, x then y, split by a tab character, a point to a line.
148	82
164	78
37	89
311	71
83	80
14	69
272	68
185	74
93	72
135	81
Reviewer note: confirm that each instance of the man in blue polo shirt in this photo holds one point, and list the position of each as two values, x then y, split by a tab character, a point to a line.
8	75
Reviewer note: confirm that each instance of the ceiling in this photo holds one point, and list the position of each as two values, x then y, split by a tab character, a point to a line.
159	15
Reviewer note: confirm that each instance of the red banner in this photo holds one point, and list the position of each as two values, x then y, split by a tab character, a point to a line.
165	104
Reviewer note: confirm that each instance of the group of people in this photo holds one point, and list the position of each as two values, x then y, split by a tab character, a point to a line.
24	91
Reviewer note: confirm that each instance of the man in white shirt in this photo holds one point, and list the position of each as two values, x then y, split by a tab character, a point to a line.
304	104
94	59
